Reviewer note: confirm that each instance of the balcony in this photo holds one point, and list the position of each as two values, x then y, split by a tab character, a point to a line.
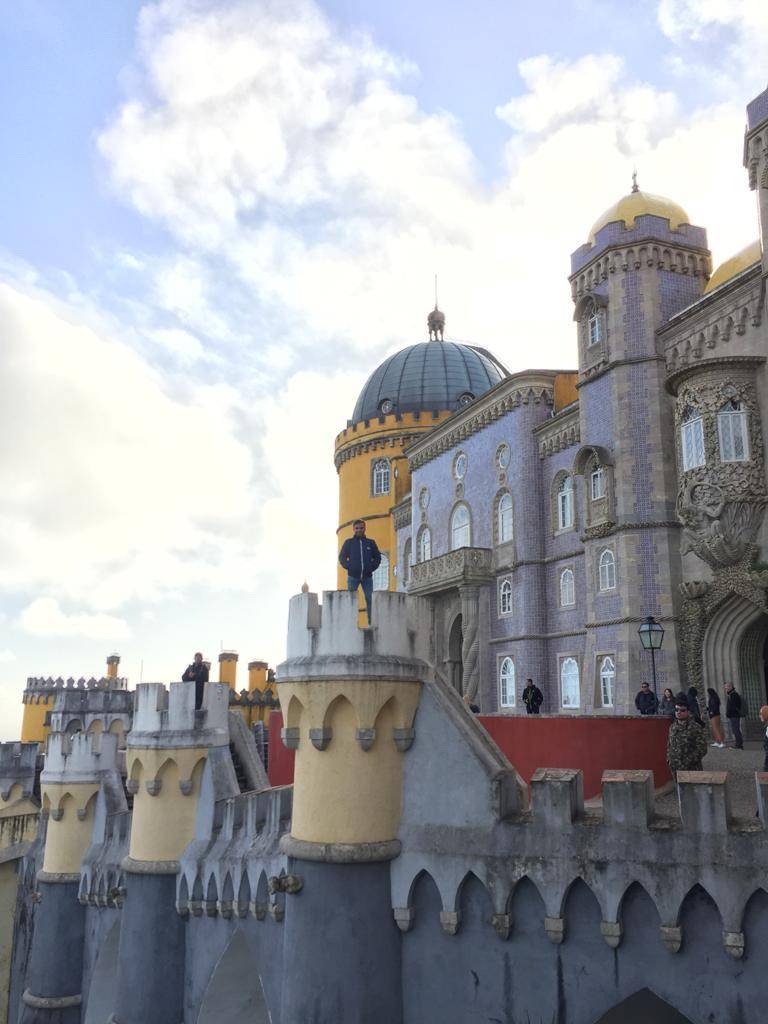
453	569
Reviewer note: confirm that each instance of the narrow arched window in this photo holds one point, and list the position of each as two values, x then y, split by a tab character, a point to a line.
504	518
507	683
732	428
607	570
405	571
505	597
597	483
570	696
380	481
460	531
607	678
595	327
381	576
565	504
425	544
692	439
567	588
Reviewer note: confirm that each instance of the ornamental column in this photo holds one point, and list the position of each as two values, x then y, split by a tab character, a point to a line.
349	697
470	639
170	748
70	783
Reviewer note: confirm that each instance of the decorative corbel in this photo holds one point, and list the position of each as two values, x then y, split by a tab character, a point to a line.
320	738
555	929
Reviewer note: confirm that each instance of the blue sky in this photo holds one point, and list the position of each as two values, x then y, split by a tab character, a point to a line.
221	214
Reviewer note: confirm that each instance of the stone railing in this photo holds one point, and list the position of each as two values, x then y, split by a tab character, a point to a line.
465	565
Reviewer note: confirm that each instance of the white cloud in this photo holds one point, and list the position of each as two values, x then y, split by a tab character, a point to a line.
44	617
6	657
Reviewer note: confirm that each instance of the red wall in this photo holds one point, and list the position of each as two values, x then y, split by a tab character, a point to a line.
590	742
280	758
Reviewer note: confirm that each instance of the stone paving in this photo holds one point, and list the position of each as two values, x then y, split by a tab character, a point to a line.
741	766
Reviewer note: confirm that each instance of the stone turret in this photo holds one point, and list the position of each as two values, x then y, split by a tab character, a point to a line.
76	768
178	764
756	162
17	778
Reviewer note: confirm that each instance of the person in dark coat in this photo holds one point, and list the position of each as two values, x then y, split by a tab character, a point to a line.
646	701
533	698
197	673
687	741
713	712
733	709
360	556
693	703
667	704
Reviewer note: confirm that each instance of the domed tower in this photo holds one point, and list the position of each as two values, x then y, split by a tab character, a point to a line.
407	395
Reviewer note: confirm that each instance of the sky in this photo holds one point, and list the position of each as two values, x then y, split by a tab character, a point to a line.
219	216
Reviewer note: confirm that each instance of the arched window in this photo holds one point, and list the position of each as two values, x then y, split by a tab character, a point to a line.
504	518
565	504
381	576
569	683
424	544
567	588
597	483
607	678
460	531
692	439
505	596
595	327
732	428
607	570
380	478
507	683
405	571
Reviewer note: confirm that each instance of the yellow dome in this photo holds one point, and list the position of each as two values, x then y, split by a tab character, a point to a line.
730	268
635	205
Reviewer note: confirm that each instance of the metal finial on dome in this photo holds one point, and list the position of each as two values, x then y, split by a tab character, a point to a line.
305	587
436	320
635	186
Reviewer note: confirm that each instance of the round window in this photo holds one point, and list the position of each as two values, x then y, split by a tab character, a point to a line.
503	456
466	398
386	406
460	466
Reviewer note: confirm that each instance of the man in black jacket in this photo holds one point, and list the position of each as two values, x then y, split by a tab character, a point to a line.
197	673
733	715
361	557
646	702
532	697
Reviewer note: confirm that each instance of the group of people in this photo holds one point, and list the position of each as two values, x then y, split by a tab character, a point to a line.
647	703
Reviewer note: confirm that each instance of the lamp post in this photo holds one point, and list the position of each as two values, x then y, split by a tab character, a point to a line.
651	637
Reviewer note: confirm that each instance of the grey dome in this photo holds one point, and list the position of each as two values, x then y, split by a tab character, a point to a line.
433	376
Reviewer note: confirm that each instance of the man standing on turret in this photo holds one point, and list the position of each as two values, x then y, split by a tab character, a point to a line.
360	556
197	673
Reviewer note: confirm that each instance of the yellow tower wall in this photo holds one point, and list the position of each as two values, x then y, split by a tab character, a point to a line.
166	784
36	706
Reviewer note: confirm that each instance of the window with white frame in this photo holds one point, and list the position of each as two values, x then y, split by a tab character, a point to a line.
505	596
570	696
424	544
504	519
607	679
607	570
597	483
460	531
595	328
380	477
692	439
381	576
507	683
732	428
405	572
567	588
565	504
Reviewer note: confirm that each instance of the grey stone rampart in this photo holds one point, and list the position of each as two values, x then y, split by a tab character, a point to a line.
17	767
167	717
85	707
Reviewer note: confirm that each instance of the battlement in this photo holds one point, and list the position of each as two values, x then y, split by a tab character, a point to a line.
167	717
325	638
17	767
80	757
39	684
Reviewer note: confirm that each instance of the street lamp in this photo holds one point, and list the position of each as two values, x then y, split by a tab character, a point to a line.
651	636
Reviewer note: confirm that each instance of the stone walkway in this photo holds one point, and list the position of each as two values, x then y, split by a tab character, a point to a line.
741	766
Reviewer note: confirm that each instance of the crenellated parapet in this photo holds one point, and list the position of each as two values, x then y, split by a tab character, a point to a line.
169	747
17	773
76	767
349	697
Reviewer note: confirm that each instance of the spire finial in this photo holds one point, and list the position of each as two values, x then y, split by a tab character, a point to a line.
635	186
436	320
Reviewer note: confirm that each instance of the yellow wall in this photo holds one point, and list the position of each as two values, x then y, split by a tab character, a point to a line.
164	823
68	837
228	669
355	484
565	390
33	728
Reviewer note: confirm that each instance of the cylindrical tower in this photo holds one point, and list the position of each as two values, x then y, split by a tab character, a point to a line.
349	698
169	749
406	396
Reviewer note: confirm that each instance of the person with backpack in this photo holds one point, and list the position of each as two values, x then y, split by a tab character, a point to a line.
734	711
